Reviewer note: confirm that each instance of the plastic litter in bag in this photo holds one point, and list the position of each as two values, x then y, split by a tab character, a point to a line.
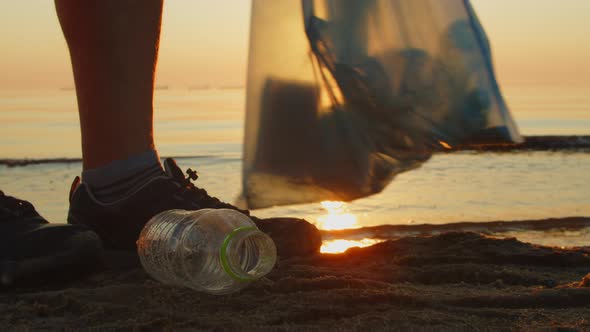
342	95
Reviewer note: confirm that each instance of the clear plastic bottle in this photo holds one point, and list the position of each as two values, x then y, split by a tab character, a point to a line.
217	251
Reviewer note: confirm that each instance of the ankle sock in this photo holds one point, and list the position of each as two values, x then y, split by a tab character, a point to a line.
118	179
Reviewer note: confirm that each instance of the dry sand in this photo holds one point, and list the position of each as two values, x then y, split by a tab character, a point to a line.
454	281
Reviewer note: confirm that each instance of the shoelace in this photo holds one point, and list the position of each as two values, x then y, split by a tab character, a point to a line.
190	188
14	207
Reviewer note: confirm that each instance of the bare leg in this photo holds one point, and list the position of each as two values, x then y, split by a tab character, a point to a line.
113	47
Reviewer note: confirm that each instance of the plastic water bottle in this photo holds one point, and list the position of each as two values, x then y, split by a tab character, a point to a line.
217	251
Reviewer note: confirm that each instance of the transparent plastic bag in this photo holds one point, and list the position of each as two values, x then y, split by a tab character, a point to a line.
342	95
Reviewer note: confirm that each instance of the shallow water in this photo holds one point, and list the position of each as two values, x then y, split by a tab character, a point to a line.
449	188
464	186
44	123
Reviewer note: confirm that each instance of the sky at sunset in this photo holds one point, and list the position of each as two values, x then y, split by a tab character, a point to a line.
205	42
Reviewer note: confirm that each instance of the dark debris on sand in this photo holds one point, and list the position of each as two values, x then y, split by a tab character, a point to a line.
454	281
535	143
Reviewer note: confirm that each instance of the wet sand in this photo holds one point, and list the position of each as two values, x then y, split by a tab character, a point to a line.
452	281
494	228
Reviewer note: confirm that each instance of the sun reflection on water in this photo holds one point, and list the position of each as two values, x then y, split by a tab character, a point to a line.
338	217
339	246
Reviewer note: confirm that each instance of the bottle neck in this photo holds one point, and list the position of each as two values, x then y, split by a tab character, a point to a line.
247	254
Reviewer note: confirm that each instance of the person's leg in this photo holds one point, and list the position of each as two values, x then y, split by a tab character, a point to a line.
113	46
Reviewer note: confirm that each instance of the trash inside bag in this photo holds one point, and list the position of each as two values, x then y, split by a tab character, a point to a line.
342	95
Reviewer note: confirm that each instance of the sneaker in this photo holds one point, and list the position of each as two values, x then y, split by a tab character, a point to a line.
34	252
119	223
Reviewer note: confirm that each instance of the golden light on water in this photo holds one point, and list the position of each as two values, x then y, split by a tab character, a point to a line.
337	217
338	246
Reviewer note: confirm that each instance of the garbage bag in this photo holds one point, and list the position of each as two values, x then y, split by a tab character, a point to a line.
342	95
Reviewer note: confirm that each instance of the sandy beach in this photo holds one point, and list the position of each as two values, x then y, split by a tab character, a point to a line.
452	281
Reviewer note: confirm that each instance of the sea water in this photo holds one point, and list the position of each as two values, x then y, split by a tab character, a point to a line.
205	129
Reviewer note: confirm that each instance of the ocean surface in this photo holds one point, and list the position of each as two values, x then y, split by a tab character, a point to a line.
205	128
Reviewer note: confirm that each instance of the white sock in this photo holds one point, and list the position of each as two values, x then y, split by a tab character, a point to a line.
119	178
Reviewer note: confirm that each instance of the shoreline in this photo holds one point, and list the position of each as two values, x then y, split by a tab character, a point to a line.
393	231
573	143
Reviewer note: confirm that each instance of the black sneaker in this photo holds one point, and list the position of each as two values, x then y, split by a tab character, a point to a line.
119	223
35	252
